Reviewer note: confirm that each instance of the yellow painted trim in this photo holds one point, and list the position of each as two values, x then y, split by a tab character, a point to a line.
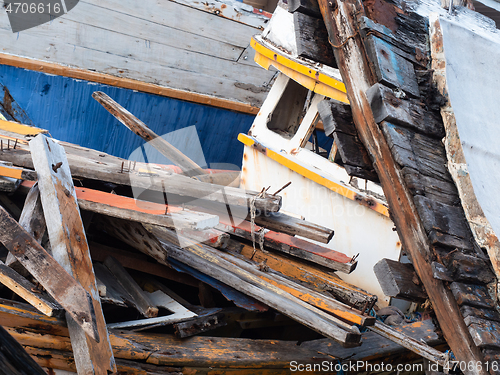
11	172
313	176
21	129
310	78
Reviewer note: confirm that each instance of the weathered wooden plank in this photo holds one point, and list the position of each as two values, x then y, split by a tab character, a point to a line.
319	280
135	125
336	117
138	297
442	217
96	165
53	277
440	272
13	358
312	39
430	187
449	241
309	7
33	221
473	295
391	68
356	73
469	268
352	151
389	106
136	236
485	333
480	313
69	247
293	246
398	280
211	237
27	290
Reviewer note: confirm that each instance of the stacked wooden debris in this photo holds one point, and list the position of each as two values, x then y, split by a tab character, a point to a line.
135	285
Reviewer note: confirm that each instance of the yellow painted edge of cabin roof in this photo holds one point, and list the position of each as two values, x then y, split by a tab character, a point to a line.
21	129
313	176
300	68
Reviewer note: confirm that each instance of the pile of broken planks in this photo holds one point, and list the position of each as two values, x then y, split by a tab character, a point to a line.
115	283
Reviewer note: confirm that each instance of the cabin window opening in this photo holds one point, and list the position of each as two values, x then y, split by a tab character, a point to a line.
289	112
319	143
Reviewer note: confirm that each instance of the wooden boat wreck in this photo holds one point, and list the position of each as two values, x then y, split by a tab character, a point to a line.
198	277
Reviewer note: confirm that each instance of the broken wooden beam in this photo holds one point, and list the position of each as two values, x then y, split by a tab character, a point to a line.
69	247
53	277
27	290
280	222
291	245
398	280
189	167
140	300
305	273
33	221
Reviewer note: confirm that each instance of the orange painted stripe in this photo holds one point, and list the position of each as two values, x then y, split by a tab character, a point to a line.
12	172
119	201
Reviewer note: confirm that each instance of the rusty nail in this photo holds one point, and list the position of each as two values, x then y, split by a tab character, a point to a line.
121	171
8	144
284	187
15	144
57	166
1	145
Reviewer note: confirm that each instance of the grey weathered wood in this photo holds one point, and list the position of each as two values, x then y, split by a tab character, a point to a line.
211	237
390	67
398	280
87	163
442	217
409	343
312	39
27	290
485	333
473	295
173	219
139	298
449	241
188	166
14	360
480	313
283	223
440	272
336	116
309	7
432	188
69	247
386	106
200	258
469	268
114	293
53	277
33	221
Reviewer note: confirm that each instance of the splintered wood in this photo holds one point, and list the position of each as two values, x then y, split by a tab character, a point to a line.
70	249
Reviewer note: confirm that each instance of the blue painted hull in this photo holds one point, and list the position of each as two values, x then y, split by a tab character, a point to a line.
65	107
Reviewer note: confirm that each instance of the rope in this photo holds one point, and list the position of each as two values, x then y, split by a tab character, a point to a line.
252	223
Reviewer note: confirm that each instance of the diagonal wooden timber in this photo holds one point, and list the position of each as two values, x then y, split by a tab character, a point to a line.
354	65
53	277
189	167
